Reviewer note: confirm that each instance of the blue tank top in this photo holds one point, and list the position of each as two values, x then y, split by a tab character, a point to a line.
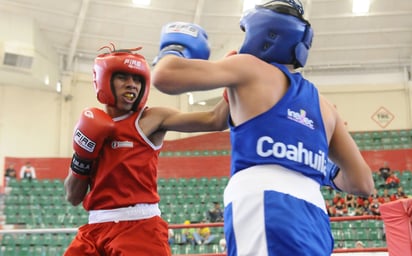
290	134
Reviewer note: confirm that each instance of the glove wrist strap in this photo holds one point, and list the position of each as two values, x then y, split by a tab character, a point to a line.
173	49
333	173
79	176
81	166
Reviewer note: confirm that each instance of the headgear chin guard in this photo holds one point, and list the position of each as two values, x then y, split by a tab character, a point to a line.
277	32
125	61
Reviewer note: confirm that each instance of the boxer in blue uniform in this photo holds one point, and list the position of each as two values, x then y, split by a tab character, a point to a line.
287	140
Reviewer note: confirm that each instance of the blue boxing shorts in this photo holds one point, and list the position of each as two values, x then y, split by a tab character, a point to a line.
274	211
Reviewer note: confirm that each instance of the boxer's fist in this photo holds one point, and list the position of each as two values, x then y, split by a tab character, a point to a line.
183	39
92	129
332	171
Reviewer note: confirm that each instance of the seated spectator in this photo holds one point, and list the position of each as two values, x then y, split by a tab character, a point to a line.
363	209
341	245
27	171
385	171
340	209
10	173
400	193
330	208
171	235
392	181
203	235
216	213
359	211
375	195
222	245
359	244
374	207
386	197
188	234
350	201
359	200
338	197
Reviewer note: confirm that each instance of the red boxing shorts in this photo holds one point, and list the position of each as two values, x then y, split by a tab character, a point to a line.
145	237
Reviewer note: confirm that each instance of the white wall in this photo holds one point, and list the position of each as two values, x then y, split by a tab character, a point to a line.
29	122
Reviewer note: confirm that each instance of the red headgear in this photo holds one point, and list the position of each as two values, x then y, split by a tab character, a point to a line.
125	61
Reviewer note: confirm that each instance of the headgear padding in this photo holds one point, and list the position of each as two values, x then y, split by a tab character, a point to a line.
277	32
124	61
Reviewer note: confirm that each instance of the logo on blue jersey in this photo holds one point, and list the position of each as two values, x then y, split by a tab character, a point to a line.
300	117
267	147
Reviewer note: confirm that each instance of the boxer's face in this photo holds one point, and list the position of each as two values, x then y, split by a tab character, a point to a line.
126	87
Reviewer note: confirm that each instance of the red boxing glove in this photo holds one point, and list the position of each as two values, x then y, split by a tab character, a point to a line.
92	129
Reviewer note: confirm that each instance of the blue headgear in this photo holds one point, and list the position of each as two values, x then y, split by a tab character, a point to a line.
277	32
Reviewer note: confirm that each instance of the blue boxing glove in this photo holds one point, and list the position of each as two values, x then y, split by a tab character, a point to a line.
185	40
332	171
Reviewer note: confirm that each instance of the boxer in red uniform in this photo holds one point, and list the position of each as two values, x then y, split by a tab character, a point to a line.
114	165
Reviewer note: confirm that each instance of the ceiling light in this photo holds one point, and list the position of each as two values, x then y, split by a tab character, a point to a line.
360	7
141	2
46	80
59	87
190	98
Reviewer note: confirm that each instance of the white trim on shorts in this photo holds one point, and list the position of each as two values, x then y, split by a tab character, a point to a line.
260	178
136	212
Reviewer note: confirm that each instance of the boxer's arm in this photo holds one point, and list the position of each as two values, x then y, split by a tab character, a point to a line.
92	129
355	176
177	72
173	120
75	188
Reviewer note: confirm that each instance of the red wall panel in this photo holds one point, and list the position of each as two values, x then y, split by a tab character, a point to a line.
203	165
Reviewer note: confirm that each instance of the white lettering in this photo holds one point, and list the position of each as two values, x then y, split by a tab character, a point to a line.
300	117
267	147
133	63
83	141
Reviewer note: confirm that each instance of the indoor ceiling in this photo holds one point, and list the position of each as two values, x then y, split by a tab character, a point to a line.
343	41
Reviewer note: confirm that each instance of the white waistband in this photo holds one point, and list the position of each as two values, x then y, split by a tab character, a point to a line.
136	212
259	178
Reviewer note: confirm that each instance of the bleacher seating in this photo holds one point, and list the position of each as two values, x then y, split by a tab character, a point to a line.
378	140
34	244
41	204
189	199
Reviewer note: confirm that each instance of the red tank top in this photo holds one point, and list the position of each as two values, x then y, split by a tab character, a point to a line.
126	171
